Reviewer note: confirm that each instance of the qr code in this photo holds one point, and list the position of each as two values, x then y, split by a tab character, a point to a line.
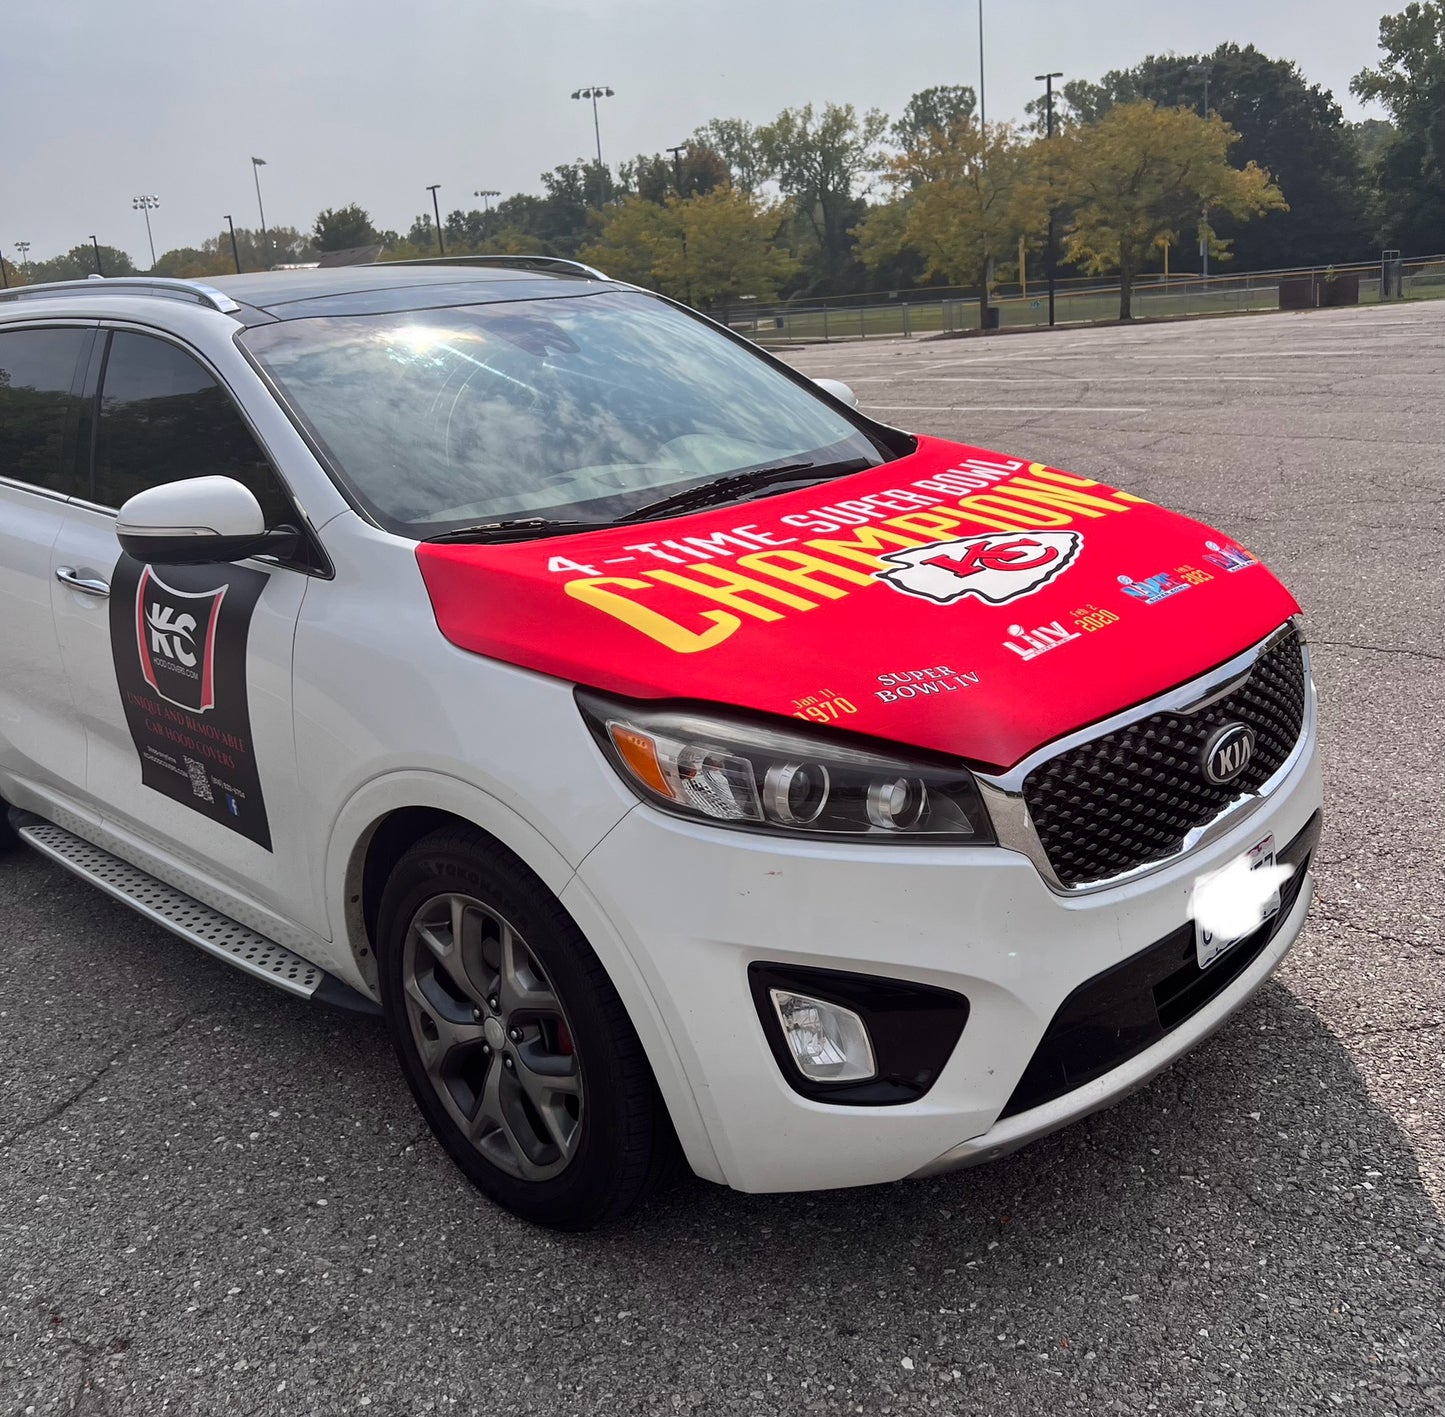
200	780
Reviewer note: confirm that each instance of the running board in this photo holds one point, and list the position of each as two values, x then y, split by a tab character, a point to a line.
185	916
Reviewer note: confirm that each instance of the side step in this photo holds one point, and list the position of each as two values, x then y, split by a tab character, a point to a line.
185	916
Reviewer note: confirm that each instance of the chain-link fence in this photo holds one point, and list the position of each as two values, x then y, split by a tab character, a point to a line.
1077	302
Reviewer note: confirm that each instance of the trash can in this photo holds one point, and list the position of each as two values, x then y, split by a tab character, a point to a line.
991	314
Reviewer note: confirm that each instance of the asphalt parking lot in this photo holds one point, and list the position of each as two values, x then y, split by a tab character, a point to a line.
212	1198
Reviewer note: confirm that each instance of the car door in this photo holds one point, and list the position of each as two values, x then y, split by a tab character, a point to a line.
42	742
182	674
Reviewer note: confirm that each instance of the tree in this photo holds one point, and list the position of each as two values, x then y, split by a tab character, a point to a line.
709	250
1373	137
933	110
1141	173
79	262
819	160
972	192
628	247
1287	125
739	144
698	169
1410	82
343	228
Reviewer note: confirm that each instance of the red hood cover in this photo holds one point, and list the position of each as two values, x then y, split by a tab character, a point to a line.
954	599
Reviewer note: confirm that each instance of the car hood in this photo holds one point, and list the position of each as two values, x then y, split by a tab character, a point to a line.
956	600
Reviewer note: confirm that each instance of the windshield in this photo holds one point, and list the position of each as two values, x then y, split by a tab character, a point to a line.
580	408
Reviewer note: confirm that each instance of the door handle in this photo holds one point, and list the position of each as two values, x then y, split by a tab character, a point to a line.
68	575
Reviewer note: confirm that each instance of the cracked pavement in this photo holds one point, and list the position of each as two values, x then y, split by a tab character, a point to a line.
214	1197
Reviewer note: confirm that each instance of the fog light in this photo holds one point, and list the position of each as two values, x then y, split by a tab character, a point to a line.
828	1042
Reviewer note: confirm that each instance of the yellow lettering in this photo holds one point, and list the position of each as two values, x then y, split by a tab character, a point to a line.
733	589
666	632
1003	513
800	569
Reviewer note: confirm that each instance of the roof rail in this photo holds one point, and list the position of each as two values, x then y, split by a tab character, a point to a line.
524	263
173	289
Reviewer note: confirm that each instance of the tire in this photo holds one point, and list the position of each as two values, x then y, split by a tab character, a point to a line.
8	839
515	1045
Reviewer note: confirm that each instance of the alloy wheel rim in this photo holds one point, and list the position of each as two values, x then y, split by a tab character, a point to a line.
493	1037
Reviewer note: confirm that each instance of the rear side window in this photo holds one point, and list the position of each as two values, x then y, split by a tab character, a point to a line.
164	418
37	373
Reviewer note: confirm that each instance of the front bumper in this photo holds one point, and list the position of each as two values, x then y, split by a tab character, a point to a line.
692	907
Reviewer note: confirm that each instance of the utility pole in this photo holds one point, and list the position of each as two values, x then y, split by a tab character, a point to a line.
257	163
147	205
982	105
235	253
1204	210
594	92
436	208
677	153
1051	257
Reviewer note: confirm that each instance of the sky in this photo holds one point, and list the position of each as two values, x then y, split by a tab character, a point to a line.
370	101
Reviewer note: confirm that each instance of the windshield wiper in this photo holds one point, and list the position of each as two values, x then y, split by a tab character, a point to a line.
720	489
515	529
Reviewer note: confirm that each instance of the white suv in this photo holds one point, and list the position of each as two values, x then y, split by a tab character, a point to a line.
673	753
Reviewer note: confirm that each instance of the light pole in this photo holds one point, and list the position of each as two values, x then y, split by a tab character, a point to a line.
594	92
677	153
1051	256
436	207
257	163
982	106
95	246
24	248
1204	210
235	253
4	279
147	205
486	194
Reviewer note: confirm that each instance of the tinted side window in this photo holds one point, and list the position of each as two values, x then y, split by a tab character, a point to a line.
163	418
37	371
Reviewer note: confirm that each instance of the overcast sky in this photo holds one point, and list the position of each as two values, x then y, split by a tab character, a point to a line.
371	100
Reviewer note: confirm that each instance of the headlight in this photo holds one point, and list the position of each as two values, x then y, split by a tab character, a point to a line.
765	778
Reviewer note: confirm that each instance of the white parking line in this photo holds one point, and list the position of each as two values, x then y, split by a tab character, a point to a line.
999	408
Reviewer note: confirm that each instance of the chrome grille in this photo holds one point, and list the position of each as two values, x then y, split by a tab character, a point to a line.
1130	797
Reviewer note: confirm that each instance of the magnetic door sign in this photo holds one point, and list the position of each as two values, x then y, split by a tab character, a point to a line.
178	635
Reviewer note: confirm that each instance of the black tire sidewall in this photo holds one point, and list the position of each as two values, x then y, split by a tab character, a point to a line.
588	1190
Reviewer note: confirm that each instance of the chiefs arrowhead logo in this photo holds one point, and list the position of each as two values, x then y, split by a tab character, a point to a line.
997	568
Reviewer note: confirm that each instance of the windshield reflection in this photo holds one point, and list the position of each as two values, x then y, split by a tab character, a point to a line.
585	407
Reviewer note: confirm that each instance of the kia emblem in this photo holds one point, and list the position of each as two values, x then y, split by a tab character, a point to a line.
1228	753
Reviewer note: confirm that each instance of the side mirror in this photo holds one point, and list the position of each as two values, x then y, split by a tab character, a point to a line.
195	522
839	390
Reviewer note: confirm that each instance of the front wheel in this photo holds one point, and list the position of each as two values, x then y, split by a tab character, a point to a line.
513	1041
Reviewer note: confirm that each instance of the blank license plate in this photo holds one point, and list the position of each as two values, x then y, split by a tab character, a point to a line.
1208	946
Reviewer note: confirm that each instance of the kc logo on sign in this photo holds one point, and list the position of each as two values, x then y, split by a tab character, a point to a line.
175	635
997	568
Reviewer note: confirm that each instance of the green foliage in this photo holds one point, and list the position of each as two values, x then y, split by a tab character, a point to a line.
1290	127
1142	172
739	145
971	193
79	262
933	110
709	250
281	245
819	160
343	228
1410	82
